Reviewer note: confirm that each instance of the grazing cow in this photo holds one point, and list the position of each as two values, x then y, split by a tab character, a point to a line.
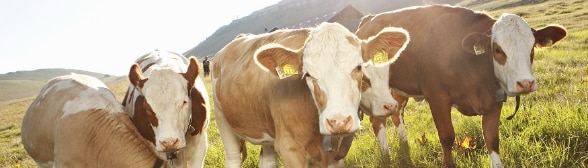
76	121
461	58
290	90
168	103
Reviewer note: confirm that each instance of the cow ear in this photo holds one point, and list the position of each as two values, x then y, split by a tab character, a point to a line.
192	72
548	36
136	76
279	60
475	43
386	46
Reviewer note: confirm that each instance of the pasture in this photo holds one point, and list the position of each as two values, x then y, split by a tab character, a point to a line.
550	129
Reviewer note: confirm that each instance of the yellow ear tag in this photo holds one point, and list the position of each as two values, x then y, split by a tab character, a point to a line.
286	71
380	57
479	49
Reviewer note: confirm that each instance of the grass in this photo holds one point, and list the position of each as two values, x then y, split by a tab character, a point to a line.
550	130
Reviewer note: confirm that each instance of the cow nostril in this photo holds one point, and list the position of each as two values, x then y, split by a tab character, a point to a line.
170	144
339	125
525	85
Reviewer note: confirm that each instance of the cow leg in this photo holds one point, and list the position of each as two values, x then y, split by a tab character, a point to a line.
379	127
490	122
195	147
441	111
398	121
398	118
292	154
268	156
234	146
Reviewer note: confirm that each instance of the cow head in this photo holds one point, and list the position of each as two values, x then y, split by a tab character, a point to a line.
331	62
376	96
511	44
164	104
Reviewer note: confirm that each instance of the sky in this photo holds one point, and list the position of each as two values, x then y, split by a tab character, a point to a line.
107	36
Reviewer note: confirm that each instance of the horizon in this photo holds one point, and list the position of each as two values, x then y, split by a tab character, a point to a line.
107	36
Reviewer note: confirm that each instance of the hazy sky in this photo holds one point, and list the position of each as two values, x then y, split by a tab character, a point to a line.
106	36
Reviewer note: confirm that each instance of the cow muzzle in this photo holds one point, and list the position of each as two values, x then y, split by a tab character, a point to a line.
170	145
339	125
525	86
389	109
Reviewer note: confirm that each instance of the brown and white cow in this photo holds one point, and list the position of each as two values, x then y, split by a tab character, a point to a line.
318	95
169	103
461	58
76	121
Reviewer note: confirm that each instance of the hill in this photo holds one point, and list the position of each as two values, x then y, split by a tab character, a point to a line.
290	14
305	13
19	85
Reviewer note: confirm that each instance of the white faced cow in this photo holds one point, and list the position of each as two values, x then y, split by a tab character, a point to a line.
169	103
461	58
76	121
289	90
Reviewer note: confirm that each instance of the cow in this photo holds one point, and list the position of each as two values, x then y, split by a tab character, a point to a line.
292	90
76	121
461	58
169	105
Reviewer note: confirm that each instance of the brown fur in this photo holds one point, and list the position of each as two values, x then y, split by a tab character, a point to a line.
436	66
289	99
143	118
90	138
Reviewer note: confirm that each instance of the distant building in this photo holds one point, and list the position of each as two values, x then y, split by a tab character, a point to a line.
348	17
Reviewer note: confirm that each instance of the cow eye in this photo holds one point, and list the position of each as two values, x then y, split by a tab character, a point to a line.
307	75
497	50
358	68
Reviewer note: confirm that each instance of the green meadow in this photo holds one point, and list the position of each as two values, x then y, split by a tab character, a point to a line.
550	129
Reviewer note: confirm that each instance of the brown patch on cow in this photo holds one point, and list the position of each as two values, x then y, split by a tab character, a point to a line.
320	96
358	76
499	55
198	111
191	73
142	119
136	76
147	67
270	58
548	36
389	41
365	83
352	41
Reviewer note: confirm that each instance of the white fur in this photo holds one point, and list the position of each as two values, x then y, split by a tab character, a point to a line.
325	45
379	94
515	37
495	160
165	91
401	130
99	93
381	136
269	157
167	94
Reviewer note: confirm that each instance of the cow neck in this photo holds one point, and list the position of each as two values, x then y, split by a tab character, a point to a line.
338	146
